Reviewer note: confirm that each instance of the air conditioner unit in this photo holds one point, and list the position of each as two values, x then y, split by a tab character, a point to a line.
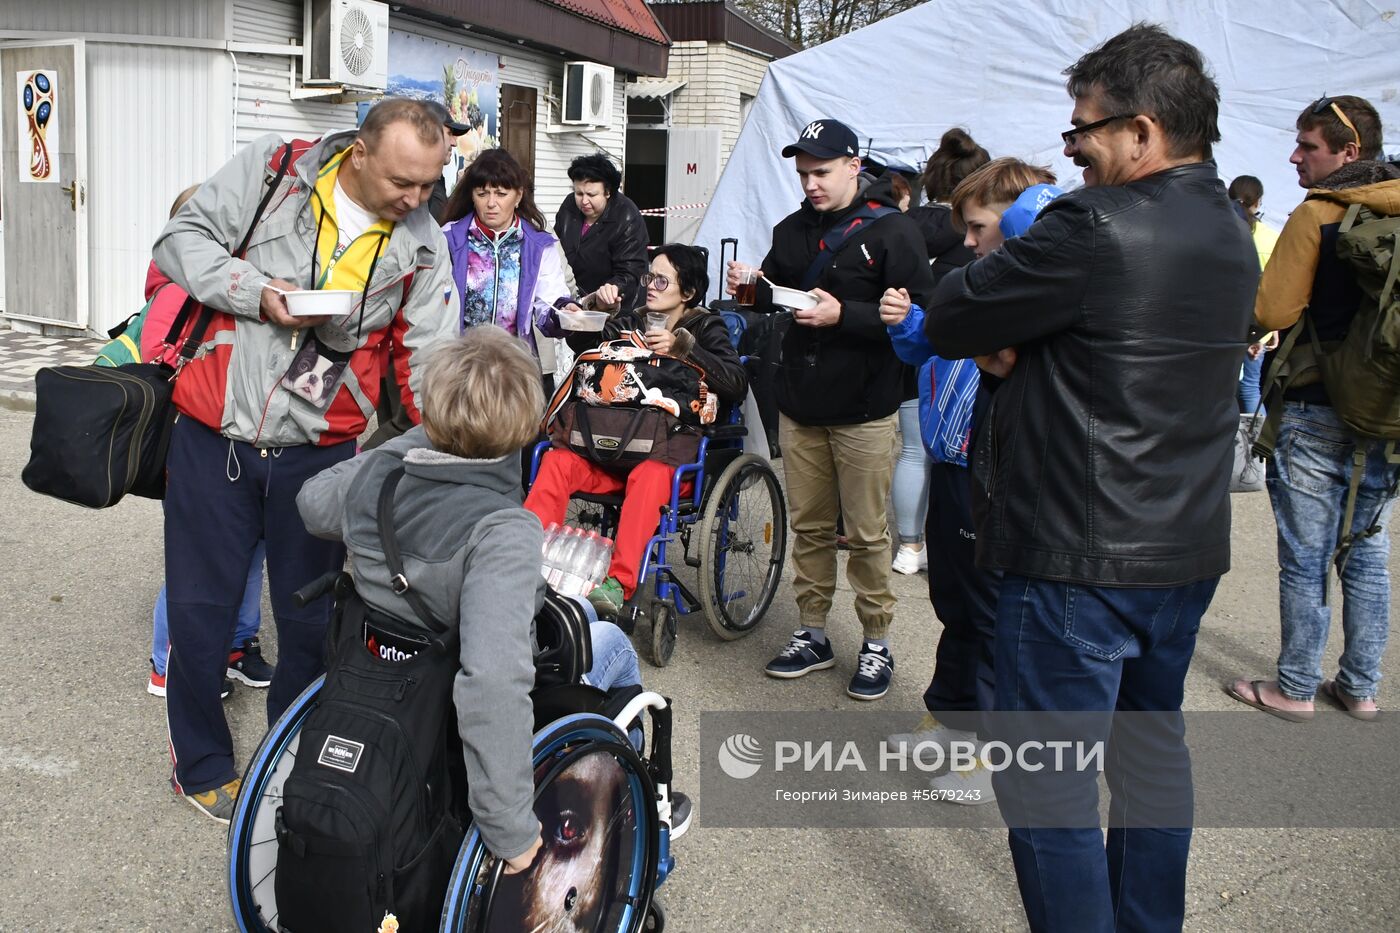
346	42
588	93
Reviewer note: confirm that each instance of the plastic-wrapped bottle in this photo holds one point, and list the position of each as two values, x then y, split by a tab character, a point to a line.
578	564
562	550
588	572
546	550
602	560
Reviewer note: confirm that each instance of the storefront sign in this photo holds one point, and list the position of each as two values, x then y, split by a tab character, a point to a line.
466	80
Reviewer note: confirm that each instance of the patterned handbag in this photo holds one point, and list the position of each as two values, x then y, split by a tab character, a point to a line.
623	404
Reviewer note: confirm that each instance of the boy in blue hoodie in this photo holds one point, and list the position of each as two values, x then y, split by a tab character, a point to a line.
993	204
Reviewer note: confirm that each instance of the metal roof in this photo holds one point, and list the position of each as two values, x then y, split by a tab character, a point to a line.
652	88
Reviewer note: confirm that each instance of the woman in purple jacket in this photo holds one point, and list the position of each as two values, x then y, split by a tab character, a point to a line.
509	270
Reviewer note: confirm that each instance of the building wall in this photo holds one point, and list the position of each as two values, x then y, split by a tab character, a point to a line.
716	76
264	104
544	72
163	115
203	19
158	119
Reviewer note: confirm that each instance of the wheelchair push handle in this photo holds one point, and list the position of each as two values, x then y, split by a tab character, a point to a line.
315	589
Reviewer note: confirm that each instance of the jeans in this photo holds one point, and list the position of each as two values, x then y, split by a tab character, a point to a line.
910	489
614	660
1067	647
249	613
1308	480
840	469
1248	394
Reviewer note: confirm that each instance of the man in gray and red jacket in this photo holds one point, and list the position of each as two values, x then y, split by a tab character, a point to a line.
349	213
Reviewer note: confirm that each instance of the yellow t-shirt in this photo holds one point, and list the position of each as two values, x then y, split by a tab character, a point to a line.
343	265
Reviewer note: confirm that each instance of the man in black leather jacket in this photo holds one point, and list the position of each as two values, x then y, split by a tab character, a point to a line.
1102	466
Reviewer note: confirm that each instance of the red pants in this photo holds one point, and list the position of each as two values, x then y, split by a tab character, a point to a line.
645	490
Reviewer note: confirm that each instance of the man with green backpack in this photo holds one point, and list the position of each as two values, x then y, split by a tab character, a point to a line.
1333	396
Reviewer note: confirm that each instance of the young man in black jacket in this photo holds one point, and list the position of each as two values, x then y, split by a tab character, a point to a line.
838	388
1102	470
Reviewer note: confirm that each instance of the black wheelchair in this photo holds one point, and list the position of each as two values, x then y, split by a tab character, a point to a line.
604	807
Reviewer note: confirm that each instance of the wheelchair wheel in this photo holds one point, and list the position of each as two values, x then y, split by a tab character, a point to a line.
596	804
743	539
252	838
663	632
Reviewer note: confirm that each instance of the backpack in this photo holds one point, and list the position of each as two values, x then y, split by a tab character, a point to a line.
1362	370
370	821
125	345
623	404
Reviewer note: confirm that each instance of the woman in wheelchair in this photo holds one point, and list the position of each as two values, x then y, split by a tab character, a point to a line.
473	556
675	289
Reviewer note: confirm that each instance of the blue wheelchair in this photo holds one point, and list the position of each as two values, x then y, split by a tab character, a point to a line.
731	527
604	808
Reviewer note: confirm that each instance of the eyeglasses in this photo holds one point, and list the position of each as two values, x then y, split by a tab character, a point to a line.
1070	136
655	278
1323	104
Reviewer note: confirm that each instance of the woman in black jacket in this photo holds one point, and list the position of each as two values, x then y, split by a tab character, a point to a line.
604	236
675	287
958	156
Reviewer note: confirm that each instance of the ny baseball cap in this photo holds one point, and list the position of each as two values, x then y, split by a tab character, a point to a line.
453	127
825	139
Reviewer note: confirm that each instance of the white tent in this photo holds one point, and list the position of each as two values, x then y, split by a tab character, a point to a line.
996	69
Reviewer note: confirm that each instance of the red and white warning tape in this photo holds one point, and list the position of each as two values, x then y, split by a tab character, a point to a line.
663	211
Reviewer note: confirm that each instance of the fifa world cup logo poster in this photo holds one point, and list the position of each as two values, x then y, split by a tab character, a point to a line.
38	126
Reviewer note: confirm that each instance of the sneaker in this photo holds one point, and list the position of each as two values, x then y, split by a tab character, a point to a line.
931	731
155	685
218	803
908	559
801	655
246	664
970	788
606	598
874	671
681	812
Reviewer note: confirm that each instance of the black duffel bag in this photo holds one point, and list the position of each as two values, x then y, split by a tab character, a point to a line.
101	432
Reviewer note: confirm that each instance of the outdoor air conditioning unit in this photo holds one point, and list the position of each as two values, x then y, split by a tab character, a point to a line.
588	93
346	42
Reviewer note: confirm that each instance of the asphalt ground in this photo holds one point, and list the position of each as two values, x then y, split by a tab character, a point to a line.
92	838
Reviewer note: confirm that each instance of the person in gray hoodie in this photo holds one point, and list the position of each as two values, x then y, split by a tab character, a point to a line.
472	552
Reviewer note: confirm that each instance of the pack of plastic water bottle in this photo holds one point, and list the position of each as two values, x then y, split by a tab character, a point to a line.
575	560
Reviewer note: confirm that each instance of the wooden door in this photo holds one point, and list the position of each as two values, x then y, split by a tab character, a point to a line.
518	124
44	179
